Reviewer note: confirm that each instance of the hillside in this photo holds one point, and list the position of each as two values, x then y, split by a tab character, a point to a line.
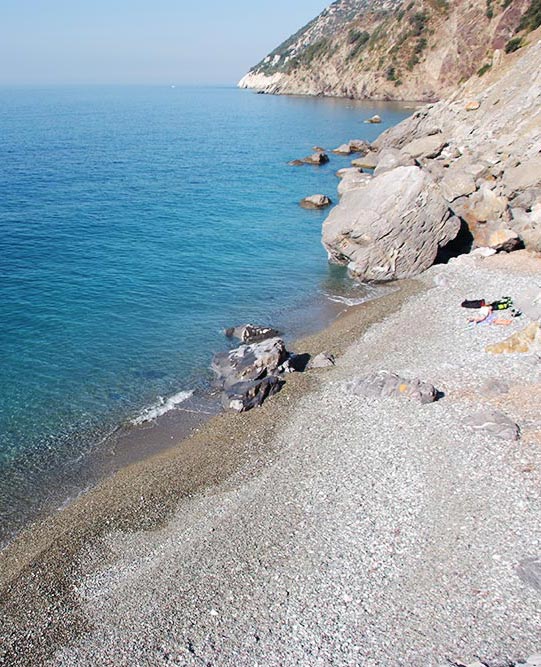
394	49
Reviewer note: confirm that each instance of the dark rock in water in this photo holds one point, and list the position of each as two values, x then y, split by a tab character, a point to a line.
250	362
384	384
318	158
493	422
315	202
244	396
323	360
251	333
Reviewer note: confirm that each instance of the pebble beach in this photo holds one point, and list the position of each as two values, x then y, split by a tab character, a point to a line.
323	528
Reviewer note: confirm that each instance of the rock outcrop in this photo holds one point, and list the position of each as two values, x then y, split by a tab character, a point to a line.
315	202
249	374
447	174
392	227
395	49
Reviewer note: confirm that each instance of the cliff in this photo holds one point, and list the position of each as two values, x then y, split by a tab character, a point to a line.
394	49
464	172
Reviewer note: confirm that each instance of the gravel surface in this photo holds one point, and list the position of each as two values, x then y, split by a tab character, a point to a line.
376	532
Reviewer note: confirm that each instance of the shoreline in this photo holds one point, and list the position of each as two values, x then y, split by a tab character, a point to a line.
315	486
131	442
144	494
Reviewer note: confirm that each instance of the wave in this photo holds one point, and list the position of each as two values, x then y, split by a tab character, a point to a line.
160	408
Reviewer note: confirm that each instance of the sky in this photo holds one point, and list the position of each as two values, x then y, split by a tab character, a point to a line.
137	41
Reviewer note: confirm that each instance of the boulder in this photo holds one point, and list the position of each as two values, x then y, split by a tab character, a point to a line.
251	333
425	147
391	228
353	179
344	149
472	106
527	223
315	201
384	384
526	175
505	240
244	396
390	158
359	146
368	161
374	119
322	360
250	362
318	149
457	183
521	342
317	159
493	422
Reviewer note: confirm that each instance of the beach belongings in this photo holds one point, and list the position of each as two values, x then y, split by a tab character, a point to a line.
251	333
502	304
493	423
384	384
520	342
240	373
476	303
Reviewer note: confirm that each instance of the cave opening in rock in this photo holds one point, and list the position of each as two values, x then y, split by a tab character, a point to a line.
460	245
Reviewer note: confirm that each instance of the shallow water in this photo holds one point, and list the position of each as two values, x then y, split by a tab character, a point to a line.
135	224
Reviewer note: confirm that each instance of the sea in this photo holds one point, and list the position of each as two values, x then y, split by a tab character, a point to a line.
136	223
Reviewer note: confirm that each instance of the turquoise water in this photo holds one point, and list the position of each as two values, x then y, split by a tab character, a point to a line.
136	223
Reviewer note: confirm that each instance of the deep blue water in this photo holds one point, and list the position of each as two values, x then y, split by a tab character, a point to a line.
135	223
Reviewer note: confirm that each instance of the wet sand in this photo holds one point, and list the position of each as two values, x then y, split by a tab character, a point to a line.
38	609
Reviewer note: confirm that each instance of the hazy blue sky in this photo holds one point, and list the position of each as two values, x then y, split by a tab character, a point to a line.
136	41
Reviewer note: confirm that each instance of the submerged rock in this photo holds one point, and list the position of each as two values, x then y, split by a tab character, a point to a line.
391	228
384	384
315	201
374	119
251	333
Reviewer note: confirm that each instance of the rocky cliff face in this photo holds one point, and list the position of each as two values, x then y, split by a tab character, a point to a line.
465	170
394	49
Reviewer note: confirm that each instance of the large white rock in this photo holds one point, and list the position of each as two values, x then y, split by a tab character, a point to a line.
392	227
